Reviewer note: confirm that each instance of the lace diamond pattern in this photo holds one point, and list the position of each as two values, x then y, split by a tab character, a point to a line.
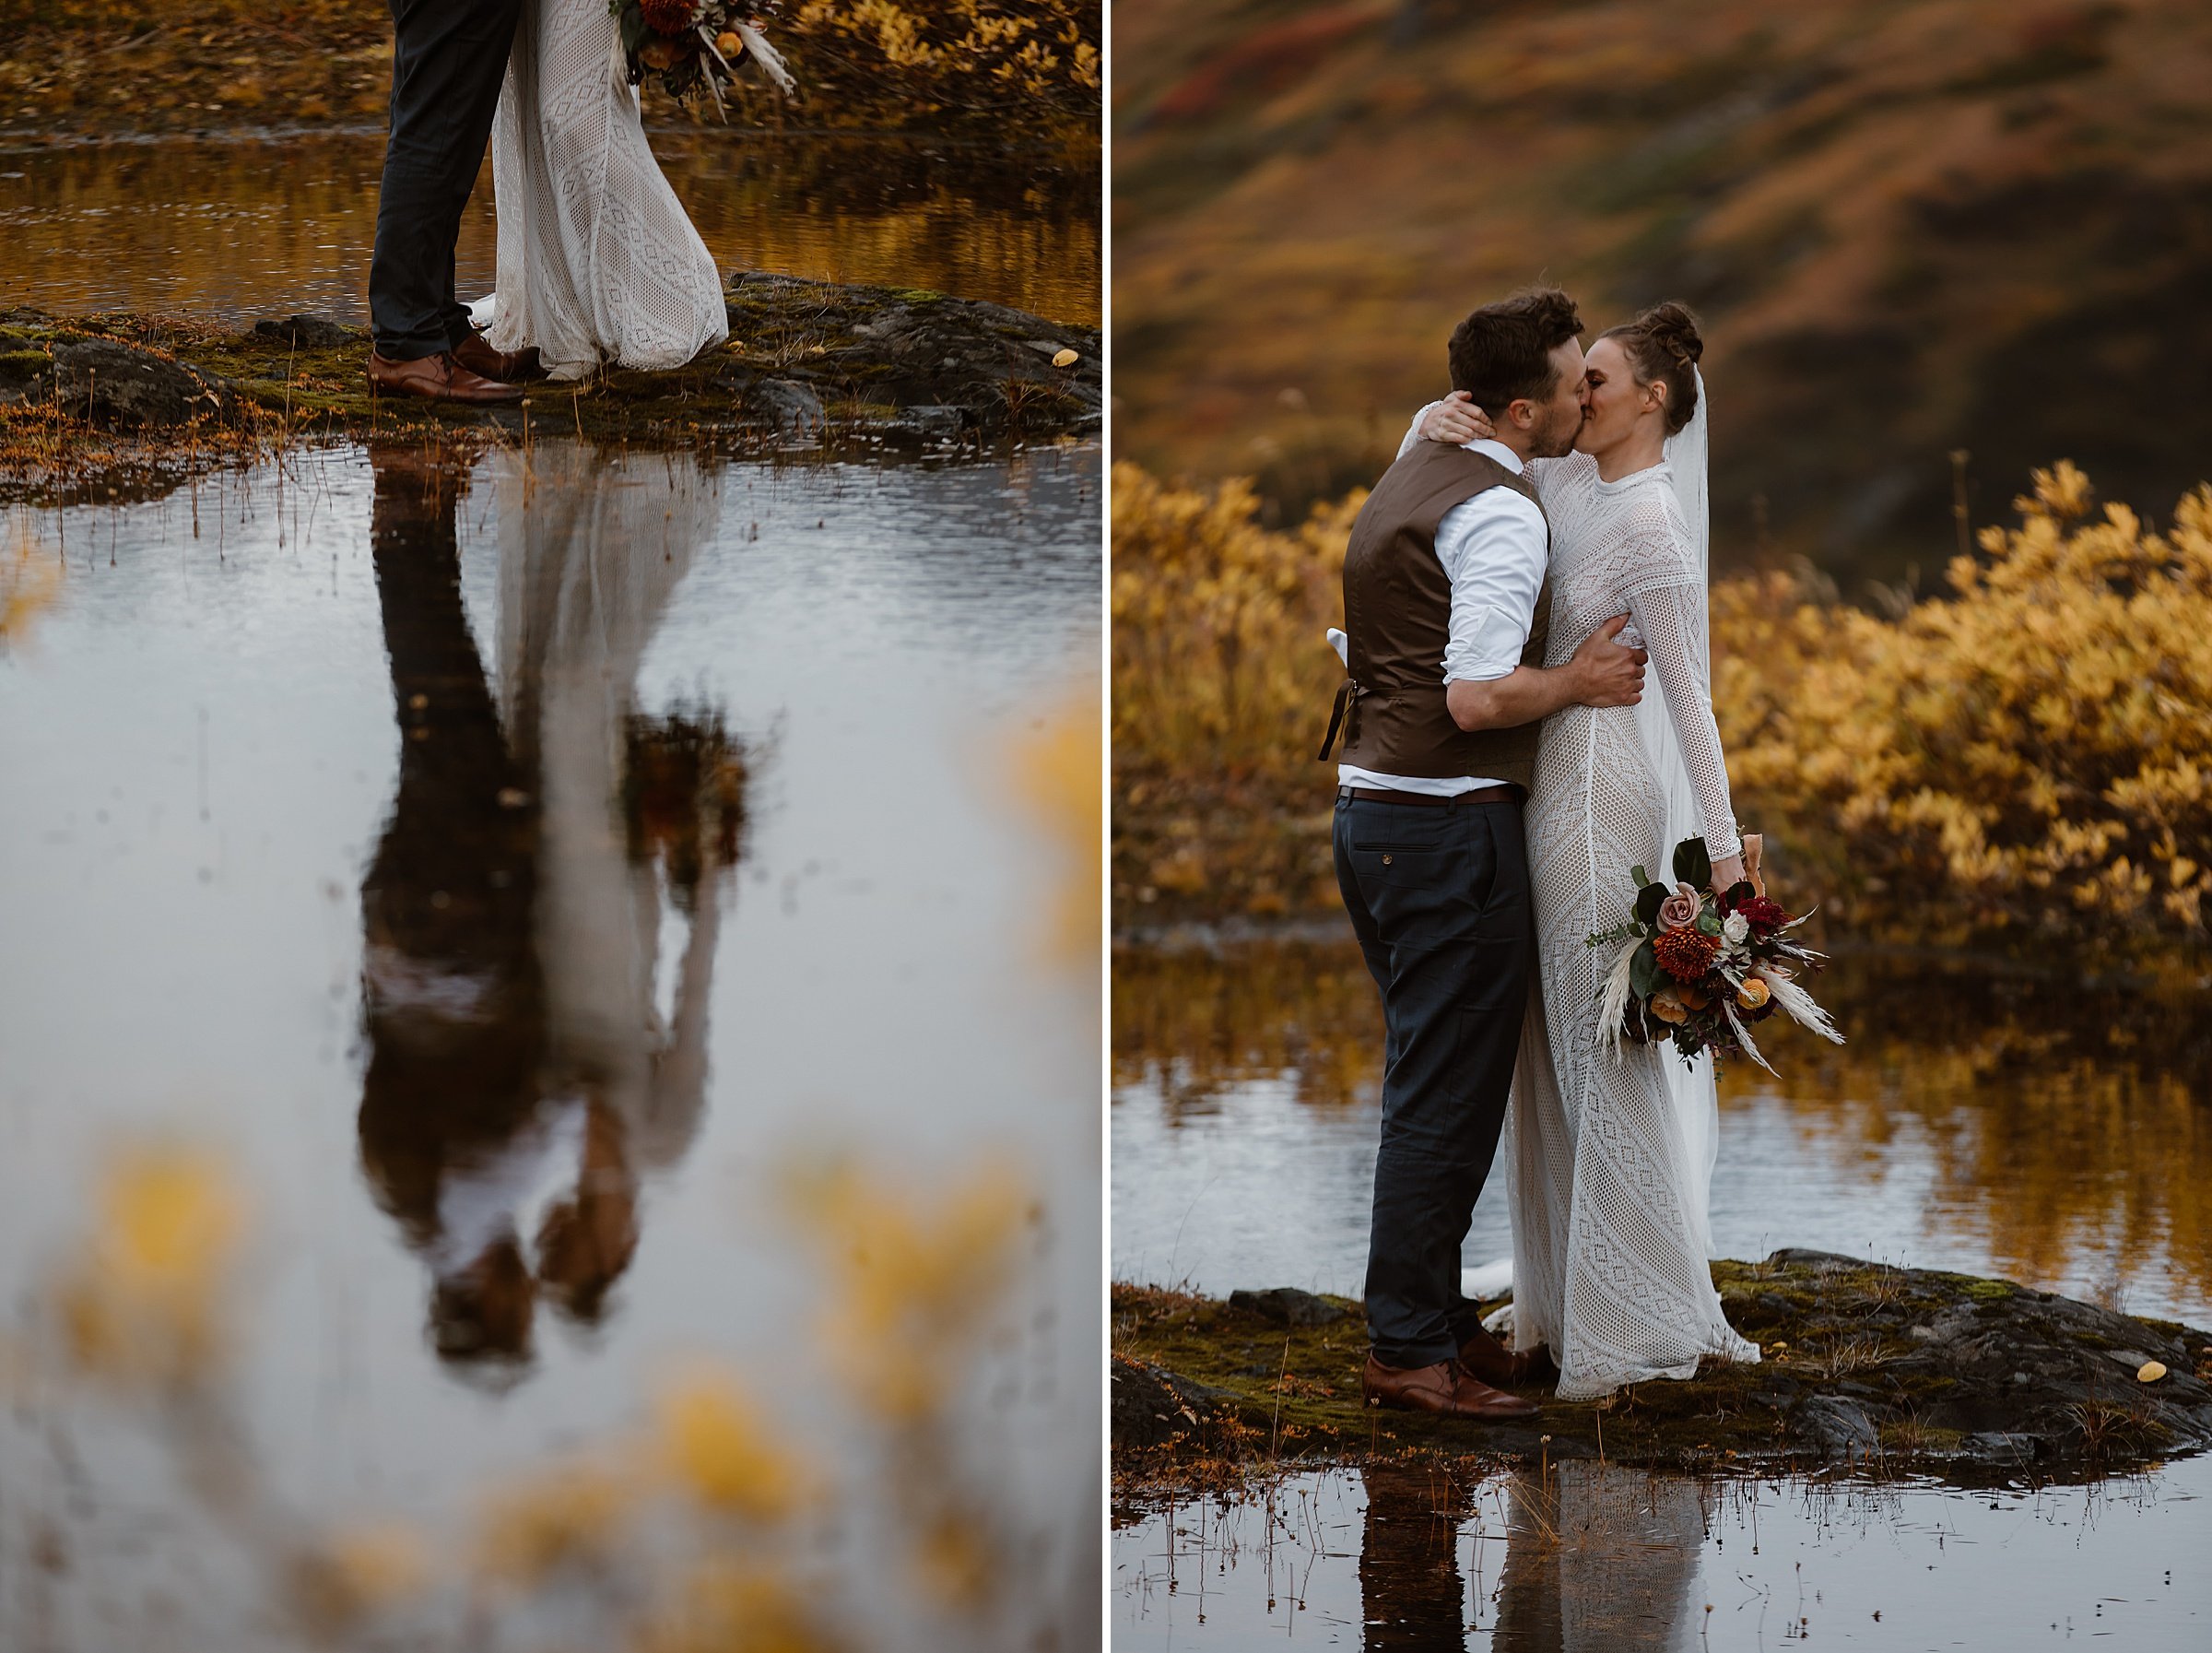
597	259
1609	1267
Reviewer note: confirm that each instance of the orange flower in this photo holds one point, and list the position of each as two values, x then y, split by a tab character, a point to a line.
1668	1007
1686	954
1752	994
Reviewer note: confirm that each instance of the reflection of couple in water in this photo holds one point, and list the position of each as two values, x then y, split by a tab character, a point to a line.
1596	1560
517	1048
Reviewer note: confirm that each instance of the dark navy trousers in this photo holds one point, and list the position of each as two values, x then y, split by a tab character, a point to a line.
1439	899
448	59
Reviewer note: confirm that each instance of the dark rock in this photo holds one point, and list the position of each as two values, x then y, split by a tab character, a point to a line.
1999	1448
902	351
937	422
786	404
1836	1427
109	383
1819	1262
1287	1305
310	332
1155	1408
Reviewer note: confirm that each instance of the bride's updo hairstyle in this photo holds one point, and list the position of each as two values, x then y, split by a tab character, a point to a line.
1663	346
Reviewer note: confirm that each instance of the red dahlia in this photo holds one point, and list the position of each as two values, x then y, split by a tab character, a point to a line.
1686	954
670	16
1763	913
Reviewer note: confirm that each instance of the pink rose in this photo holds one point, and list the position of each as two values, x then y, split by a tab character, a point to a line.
1678	911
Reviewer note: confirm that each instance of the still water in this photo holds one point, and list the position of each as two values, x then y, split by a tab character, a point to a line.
1982	1119
544	1098
1996	1123
242	228
1596	1560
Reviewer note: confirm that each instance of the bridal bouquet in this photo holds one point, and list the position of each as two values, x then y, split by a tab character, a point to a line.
1698	969
695	43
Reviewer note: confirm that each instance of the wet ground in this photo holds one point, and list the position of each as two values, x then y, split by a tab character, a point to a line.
482	943
240	227
1983	1119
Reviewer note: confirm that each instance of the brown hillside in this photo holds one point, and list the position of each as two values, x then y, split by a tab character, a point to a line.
1912	227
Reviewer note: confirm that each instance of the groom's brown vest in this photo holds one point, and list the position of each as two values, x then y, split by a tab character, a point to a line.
1397	614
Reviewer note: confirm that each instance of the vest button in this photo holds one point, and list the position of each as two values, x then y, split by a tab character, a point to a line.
1385	860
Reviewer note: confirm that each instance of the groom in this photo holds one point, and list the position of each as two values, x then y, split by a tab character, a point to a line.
1446	604
448	59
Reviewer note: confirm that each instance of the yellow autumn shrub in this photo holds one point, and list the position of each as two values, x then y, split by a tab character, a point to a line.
1222	680
2029	757
2026	758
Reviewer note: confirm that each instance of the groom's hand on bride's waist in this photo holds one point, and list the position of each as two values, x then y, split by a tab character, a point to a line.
1602	673
1608	674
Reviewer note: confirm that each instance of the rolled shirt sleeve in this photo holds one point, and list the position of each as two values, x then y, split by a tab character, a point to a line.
1494	549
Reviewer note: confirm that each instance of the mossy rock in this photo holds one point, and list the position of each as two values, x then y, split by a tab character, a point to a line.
1894	1370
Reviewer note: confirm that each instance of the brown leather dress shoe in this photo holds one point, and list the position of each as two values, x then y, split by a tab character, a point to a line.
509	367
1445	1389
436	379
1492	1363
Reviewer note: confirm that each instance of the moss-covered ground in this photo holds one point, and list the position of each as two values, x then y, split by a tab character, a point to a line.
885	368
1887	1368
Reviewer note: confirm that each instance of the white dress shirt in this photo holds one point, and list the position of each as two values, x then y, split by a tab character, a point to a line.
1494	549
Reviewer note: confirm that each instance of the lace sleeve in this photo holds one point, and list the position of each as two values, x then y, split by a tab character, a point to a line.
1671	618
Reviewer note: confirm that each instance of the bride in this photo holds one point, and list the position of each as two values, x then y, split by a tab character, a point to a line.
598	261
1612	1156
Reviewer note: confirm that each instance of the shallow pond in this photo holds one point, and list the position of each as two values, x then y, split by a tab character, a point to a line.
548	1094
242	227
1987	1120
1995	1122
1594	1560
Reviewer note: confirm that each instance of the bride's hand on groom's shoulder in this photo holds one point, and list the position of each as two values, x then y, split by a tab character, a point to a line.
1457	419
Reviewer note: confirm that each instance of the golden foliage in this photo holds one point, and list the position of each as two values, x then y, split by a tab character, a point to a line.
912	1284
1221	686
1024	68
958	60
1057	765
27	584
356	1573
727	1606
719	1448
143	1304
568	1517
2028	759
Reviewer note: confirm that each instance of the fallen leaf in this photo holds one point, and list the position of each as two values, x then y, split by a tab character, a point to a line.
2150	1371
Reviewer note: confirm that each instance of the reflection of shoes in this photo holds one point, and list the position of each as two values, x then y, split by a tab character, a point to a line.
509	367
1492	1363
437	378
1447	1390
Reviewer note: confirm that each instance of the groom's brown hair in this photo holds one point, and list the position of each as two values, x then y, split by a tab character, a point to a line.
1502	351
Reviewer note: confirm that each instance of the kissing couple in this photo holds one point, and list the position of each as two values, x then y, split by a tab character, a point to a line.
1539	542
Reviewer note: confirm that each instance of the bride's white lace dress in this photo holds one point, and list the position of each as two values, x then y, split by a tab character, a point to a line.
1611	1156
597	259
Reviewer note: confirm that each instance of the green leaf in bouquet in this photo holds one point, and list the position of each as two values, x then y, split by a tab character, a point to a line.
1648	901
634	28
1708	920
1693	865
1645	977
1641	877
1740	891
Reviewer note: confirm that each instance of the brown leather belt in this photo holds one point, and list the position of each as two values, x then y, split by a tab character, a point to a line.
1481	795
